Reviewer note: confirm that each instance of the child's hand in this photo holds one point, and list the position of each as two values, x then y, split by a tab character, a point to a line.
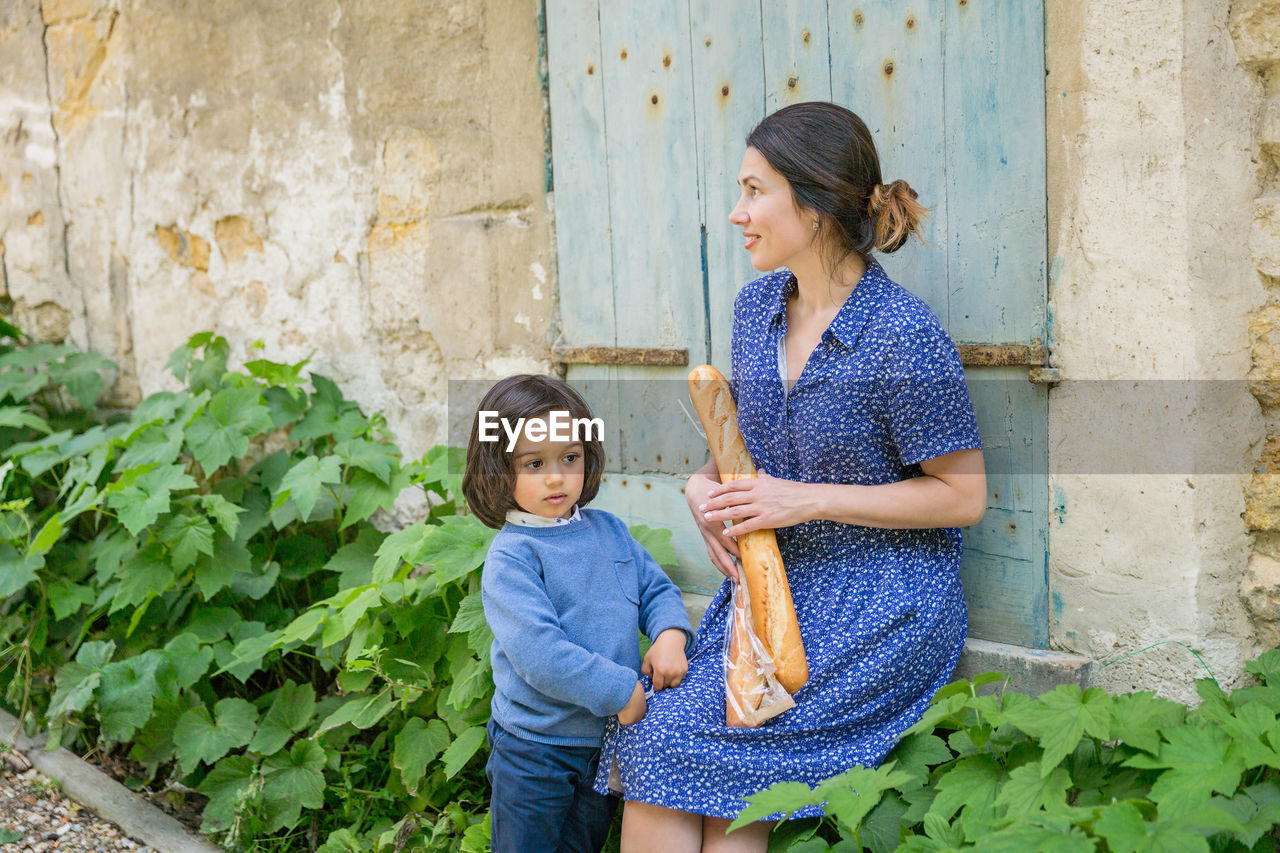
665	662
634	710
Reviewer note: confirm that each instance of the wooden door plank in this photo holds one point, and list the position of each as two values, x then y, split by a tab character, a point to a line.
653	176
728	85
796	61
995	103
886	66
579	159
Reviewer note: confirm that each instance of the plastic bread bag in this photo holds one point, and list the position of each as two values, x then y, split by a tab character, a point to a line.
751	689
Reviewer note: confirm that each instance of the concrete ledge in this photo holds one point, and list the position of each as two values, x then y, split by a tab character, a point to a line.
1031	671
112	801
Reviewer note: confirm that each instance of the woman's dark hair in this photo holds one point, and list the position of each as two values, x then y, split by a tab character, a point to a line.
827	155
489	478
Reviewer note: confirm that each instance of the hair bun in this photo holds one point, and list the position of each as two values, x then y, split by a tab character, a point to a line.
897	214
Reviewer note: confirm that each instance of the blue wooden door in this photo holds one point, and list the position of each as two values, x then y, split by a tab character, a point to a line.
650	106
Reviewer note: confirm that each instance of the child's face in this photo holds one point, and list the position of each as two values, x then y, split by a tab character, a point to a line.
549	474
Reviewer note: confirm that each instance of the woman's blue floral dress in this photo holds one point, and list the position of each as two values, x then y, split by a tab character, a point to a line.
881	611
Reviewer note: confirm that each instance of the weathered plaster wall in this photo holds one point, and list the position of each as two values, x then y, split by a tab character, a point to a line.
359	182
1152	173
1255	27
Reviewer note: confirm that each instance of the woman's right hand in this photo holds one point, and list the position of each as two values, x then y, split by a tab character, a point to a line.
721	549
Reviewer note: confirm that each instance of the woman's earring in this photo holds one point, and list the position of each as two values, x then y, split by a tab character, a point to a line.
815	225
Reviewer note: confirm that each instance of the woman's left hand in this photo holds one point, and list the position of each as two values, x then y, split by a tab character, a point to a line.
760	502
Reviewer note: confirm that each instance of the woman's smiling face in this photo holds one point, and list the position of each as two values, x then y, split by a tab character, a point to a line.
774	229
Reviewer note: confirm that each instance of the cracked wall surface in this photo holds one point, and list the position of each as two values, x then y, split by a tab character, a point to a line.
359	183
1151	178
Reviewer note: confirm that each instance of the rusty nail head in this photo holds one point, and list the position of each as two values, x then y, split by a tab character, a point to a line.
623	54
666	61
888	68
653	99
857	18
724	90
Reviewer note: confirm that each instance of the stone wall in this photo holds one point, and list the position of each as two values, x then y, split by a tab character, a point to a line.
1152	173
1255	28
361	183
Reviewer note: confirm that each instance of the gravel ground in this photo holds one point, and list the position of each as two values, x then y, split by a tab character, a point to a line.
32	805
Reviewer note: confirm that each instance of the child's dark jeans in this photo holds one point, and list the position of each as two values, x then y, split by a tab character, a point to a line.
542	796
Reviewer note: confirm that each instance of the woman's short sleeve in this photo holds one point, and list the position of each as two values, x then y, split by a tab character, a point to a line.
929	410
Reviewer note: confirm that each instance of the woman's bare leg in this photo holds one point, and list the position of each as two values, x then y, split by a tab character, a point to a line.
752	838
646	828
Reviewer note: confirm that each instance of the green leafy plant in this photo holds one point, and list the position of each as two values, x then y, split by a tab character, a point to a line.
199	584
1070	770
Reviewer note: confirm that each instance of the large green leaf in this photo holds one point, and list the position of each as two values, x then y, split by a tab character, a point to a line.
227	784
222	511
1126	832
1139	717
17	417
461	750
141	503
366	494
916	753
854	793
330	415
293	780
292	708
779	798
354	562
156	444
222	432
77	680
362	712
199	737
398	548
304	481
188	534
470	621
378	458
417	745
229	563
1027	791
128	691
144	574
970	784
1200	760
1061	717
456	547
189	658
17	569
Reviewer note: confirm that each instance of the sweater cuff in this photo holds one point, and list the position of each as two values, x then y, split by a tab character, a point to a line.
616	694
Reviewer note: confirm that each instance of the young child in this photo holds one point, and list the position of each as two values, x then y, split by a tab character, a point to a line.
565	590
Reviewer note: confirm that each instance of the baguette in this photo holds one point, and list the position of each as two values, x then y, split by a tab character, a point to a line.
772	610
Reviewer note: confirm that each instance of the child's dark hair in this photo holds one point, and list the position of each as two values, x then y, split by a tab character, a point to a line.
489	478
827	155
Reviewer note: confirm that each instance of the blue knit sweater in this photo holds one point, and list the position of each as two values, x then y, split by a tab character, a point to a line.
565	604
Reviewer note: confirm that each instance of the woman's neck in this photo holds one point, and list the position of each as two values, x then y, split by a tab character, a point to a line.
818	290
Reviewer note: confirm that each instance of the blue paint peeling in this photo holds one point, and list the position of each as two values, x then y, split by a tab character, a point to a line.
1057	606
1060	504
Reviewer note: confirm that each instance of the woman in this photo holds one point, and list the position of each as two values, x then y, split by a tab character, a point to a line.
852	402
